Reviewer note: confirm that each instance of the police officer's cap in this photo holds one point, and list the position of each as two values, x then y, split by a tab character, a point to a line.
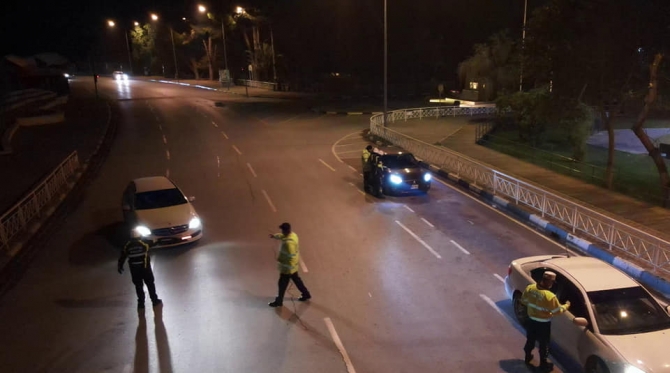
548	275
285	226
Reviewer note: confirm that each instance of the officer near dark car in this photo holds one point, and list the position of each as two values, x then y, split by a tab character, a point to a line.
137	253
542	306
377	175
367	167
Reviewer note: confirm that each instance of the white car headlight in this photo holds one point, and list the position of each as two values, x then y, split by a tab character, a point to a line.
427	177
395	179
142	230
194	223
632	369
125	77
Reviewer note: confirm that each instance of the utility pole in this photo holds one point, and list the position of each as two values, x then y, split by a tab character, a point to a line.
523	44
385	66
272	42
225	55
174	53
130	58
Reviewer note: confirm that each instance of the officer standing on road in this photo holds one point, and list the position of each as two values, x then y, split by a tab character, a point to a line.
377	175
542	305
367	167
287	262
137	253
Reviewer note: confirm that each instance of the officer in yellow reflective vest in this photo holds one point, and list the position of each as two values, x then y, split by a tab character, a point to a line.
367	167
137	253
287	263
542	305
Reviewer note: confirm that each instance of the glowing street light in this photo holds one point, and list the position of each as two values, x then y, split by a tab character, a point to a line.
136	23
239	10
111	23
202	9
154	17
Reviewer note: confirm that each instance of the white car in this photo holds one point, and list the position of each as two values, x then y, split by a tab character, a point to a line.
613	324
159	211
120	75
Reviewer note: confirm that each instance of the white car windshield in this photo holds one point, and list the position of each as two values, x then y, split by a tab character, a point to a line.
628	311
159	198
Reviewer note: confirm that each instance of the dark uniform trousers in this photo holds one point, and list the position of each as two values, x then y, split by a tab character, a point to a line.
282	284
537	331
143	275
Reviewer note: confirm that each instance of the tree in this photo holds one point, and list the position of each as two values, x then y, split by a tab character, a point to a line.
259	51
204	35
494	65
143	39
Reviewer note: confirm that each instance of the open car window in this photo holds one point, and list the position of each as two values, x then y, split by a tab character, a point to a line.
158	199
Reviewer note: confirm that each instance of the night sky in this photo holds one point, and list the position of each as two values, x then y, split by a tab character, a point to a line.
325	35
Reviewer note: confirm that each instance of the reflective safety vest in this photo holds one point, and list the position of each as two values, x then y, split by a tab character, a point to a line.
137	253
542	304
289	253
365	160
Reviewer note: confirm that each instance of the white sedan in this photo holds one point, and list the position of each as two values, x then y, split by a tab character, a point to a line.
613	324
159	211
120	75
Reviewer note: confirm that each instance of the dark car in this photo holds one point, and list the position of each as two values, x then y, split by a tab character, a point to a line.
400	173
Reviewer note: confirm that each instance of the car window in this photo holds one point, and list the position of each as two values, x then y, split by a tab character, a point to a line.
627	311
570	292
158	199
399	160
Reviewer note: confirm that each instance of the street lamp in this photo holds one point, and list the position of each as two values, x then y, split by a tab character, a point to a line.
385	65
154	17
112	24
523	44
241	11
203	9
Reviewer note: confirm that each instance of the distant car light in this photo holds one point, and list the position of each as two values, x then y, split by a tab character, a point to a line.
427	177
66	75
142	230
395	179
194	223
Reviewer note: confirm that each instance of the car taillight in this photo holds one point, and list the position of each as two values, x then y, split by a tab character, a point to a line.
509	270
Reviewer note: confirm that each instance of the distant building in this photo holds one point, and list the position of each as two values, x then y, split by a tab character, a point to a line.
43	71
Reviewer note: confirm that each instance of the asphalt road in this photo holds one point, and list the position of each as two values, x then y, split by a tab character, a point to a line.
405	284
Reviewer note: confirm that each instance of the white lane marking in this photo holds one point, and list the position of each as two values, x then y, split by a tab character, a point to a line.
218	162
471	222
359	191
495	307
237	150
332	148
369	295
303	266
251	169
164	140
361	174
408	208
167	173
419	239
338	343
352	168
326	164
460	247
427	222
499	277
349	151
224	135
503	214
160	127
357	143
272	206
167	154
215	125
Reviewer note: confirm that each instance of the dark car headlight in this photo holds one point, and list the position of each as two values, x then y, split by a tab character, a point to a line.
395	179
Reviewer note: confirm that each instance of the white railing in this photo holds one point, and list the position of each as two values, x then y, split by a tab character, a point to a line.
580	220
19	218
257	84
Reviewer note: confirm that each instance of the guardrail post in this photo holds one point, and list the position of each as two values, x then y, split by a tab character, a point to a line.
420	114
574	221
544	203
516	194
610	239
657	258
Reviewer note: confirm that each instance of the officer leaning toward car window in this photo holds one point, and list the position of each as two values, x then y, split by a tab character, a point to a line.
377	176
542	306
367	167
137	253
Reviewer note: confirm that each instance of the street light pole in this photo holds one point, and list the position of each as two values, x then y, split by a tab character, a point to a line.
272	42
225	55
130	58
523	43
385	66
174	53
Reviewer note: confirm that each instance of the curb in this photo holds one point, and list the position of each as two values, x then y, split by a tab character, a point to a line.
320	111
641	275
220	90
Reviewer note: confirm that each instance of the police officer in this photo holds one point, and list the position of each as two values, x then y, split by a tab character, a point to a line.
367	167
377	175
137	253
542	305
287	263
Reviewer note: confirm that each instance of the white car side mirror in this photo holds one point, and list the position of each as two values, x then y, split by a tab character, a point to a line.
191	199
580	321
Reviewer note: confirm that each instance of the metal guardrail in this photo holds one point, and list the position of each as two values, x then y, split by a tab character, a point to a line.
258	84
614	234
19	217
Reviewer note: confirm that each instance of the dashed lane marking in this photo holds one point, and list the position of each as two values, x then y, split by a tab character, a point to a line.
460	247
237	150
408	208
251	169
499	277
215	125
167	154
224	135
419	240
267	198
326	164
352	168
303	266
427	222
164	140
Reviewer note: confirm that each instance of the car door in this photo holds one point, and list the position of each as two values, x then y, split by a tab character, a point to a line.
567	335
